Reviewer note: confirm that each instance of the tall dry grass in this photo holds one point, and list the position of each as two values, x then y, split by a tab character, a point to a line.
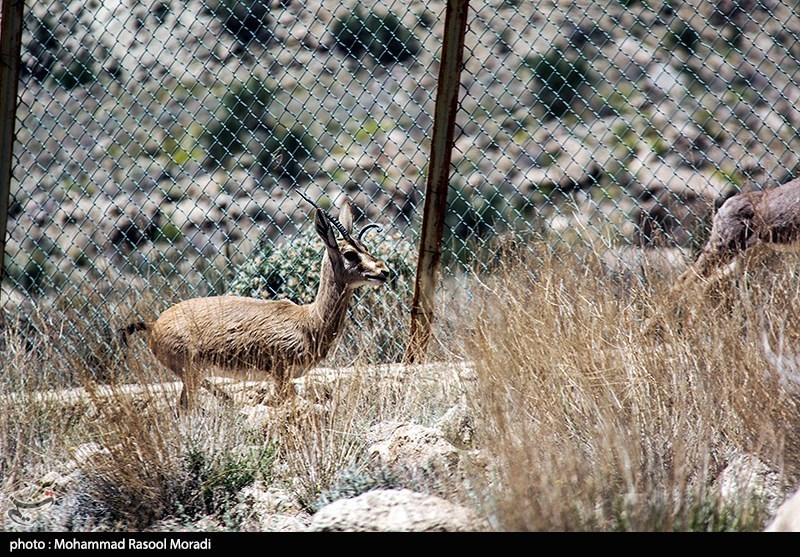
588	416
593	423
33	433
139	464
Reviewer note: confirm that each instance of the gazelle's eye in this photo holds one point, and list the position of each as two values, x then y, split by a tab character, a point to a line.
351	256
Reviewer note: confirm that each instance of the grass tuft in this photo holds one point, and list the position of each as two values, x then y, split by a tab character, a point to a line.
593	425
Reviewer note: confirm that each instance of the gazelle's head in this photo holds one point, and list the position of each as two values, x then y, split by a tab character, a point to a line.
352	264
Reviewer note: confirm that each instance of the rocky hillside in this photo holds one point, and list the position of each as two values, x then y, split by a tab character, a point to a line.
166	136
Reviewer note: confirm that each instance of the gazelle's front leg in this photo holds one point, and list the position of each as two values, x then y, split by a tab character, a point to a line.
216	391
284	390
189	386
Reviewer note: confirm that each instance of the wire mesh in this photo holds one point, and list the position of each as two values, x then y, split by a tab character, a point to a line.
160	142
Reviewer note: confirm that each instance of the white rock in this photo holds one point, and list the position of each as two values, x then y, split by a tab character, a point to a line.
389	510
787	519
412	447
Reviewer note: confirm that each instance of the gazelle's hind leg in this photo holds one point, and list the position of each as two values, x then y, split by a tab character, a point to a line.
188	398
284	391
183	401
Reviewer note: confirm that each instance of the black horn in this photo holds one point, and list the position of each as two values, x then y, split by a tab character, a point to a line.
368	227
339	226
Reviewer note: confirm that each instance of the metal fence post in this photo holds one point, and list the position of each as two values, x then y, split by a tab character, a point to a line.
430	243
10	40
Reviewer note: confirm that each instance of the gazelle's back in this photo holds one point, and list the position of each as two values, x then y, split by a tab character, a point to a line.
234	334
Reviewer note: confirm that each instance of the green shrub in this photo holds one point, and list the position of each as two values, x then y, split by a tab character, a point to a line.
284	151
383	37
241	111
167	232
475	219
81	70
213	478
42	47
247	20
243	124
682	35
154	470
354	481
561	77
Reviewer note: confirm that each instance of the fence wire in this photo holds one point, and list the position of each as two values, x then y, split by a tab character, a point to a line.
160	143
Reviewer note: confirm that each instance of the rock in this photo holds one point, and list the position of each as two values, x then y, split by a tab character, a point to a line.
284	523
390	510
321	384
264	507
457	426
412	448
745	476
269	415
268	500
787	519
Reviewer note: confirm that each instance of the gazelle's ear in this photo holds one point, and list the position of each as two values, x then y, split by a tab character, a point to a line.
325	230
346	216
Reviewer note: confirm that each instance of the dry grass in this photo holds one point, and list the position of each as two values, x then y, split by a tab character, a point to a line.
138	464
593	425
586	422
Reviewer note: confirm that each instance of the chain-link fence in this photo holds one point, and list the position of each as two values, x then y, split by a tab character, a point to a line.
160	142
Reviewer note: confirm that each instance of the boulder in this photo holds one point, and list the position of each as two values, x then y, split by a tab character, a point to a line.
458	426
745	476
395	510
265	507
787	519
412	448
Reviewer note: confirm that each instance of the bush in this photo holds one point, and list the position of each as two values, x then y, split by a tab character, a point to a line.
285	151
149	467
474	221
80	70
247	20
383	37
42	47
633	431
238	113
561	77
682	35
243	124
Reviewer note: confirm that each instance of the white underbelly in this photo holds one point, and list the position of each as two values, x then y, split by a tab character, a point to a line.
251	373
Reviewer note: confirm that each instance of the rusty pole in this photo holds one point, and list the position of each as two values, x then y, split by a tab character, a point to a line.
430	243
10	41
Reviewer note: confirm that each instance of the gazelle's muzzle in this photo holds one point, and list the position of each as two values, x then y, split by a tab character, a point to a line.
379	277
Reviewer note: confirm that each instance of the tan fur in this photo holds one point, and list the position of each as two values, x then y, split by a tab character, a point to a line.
250	338
743	225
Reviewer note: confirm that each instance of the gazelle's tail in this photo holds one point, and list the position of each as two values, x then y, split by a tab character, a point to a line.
131	328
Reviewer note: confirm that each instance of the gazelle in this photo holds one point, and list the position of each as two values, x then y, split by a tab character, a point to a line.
743	225
250	338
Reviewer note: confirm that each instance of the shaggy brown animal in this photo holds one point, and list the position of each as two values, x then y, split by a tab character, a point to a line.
746	221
